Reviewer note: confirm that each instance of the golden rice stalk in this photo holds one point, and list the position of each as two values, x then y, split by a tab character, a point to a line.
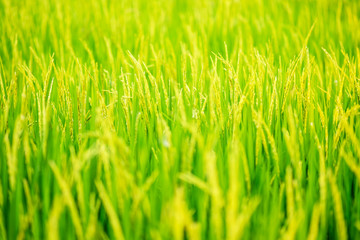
24	102
293	226
324	124
52	225
322	116
314	224
245	164
27	154
194	180
338	112
59	74
194	231
272	101
110	55
290	204
46	122
252	84
29	201
237	227
104	157
88	50
81	199
93	217
217	101
307	100
180	103
12	149
2	88
239	109
291	140
142	81
154	86
126	100
264	143
232	203
29	77
339	214
4	117
114	220
289	79
352	77
178	216
137	121
353	138
333	61
357	225
322	177
24	224
343	117
260	136
11	161
40	117
302	79
140	196
257	147
37	59
216	196
46	78
69	200
165	92
184	66
188	153
330	83
273	148
351	162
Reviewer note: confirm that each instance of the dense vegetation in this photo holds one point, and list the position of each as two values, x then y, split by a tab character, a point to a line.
166	119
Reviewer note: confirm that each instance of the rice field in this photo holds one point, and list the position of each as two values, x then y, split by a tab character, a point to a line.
179	119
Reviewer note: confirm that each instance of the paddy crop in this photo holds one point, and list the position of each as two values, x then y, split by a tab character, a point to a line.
179	119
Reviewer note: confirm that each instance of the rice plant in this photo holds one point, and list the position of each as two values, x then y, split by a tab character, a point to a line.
179	119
